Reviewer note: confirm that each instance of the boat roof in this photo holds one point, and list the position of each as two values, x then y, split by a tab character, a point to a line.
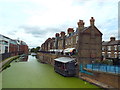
69	50
64	59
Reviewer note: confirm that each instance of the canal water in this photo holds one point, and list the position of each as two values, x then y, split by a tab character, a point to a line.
33	74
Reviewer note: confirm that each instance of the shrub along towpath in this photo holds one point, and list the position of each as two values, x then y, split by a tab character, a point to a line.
7	61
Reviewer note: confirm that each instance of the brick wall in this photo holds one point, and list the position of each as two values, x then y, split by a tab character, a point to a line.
46	58
106	78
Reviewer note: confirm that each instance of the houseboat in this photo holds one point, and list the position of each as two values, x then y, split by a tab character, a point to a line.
65	66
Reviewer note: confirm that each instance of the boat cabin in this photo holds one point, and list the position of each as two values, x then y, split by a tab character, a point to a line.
65	66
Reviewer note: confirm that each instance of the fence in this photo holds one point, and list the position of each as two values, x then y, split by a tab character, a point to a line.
104	68
4	56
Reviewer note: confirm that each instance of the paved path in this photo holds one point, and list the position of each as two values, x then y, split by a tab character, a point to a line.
96	82
5	61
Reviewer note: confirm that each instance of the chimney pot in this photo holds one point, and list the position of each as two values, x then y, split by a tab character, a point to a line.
53	38
62	34
92	20
112	38
70	30
57	34
81	23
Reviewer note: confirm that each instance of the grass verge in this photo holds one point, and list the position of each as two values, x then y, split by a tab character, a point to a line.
7	64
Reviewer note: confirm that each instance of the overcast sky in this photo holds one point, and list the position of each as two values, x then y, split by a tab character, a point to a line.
33	21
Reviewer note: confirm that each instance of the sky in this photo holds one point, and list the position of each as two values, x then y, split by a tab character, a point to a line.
33	21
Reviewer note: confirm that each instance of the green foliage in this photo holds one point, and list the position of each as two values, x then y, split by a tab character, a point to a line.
97	61
32	50
7	64
35	50
107	61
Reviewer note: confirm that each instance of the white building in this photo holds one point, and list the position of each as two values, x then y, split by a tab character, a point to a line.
4	44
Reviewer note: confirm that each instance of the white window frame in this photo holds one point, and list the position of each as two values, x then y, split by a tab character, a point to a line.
76	39
109	47
119	55
66	42
103	54
109	54
118	47
103	48
115	47
115	54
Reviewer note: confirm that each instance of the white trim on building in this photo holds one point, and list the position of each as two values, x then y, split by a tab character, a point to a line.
4	44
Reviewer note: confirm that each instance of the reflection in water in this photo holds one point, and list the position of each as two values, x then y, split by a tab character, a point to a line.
33	74
34	55
23	58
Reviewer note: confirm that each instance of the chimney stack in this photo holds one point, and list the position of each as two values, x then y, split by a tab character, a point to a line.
112	38
70	30
62	34
57	34
81	24
48	39
53	38
92	20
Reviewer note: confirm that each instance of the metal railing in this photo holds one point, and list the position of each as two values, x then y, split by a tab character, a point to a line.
104	68
6	55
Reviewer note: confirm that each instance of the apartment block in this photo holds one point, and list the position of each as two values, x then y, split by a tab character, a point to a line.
10	47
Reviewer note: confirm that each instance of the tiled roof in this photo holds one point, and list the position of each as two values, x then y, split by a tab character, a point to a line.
105	43
72	34
4	36
23	43
85	28
13	42
116	42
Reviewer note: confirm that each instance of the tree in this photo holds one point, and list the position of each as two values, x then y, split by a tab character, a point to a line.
32	50
35	50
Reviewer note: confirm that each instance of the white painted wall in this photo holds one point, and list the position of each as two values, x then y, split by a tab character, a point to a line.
2	45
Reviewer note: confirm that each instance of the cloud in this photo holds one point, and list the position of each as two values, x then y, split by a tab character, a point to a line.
39	32
34	21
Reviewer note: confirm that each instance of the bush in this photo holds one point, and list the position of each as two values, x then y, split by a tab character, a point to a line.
107	61
97	61
7	64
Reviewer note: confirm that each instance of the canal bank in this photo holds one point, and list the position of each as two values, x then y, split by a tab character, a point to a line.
5	63
33	74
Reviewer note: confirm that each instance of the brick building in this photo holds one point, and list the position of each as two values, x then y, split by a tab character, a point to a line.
86	40
71	38
89	42
10	47
111	49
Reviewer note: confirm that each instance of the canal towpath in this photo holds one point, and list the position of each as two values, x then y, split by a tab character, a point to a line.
5	61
